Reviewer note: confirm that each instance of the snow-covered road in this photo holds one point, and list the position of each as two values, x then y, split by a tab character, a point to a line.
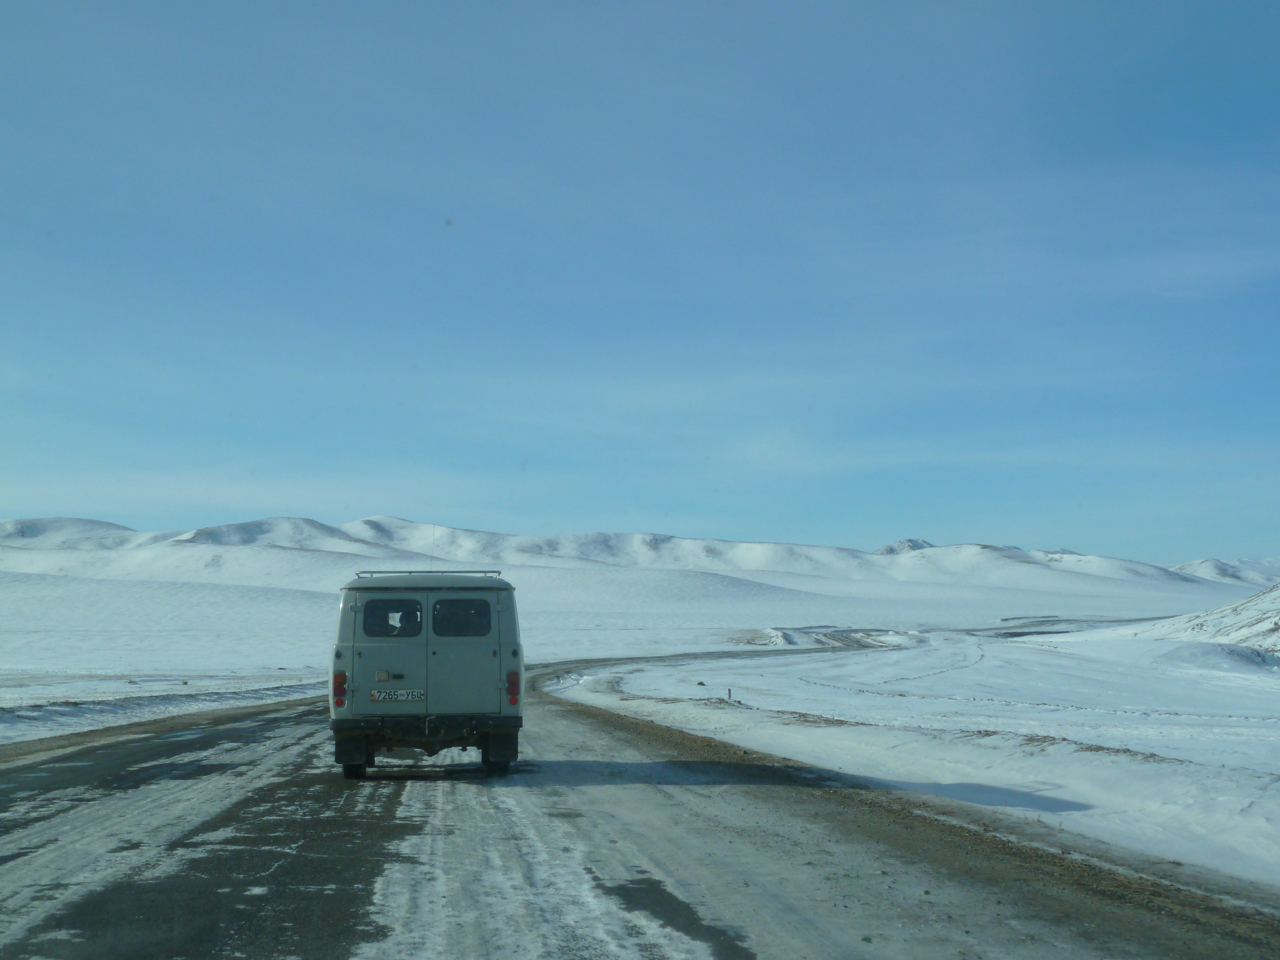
612	838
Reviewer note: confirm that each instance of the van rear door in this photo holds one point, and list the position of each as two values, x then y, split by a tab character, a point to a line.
390	655
463	663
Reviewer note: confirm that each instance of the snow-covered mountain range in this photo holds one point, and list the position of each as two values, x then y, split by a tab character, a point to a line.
84	594
389	538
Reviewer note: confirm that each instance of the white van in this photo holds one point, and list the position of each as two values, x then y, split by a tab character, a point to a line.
426	660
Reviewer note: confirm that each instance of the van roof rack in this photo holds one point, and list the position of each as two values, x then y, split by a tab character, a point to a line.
387	573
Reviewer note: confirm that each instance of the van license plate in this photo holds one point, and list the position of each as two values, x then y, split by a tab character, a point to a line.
396	695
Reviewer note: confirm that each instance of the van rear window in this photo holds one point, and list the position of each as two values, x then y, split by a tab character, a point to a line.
460	618
392	618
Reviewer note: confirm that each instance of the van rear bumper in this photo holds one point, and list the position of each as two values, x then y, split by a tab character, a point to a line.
431	728
356	740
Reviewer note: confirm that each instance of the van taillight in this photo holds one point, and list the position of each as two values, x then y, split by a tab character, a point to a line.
339	687
513	686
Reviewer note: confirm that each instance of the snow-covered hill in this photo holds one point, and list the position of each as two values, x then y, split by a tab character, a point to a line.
1254	622
396	540
1262	573
68	533
913	560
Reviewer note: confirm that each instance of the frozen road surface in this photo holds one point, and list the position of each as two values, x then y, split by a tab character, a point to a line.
236	836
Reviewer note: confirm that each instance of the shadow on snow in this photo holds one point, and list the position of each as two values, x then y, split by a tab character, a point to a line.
533	774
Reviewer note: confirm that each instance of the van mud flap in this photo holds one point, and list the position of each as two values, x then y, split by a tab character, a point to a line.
349	748
504	746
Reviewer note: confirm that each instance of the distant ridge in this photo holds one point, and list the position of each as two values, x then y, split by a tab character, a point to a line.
1260	573
277	531
903	546
73	533
912	559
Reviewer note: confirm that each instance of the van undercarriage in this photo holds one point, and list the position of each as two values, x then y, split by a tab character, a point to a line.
357	740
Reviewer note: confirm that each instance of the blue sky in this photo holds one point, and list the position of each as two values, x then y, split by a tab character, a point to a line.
829	273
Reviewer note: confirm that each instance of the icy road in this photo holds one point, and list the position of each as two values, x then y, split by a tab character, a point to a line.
235	836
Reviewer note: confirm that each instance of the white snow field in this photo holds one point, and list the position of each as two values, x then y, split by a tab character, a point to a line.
1161	736
1076	689
110	623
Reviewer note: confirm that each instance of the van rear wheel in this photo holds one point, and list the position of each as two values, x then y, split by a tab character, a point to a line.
354	771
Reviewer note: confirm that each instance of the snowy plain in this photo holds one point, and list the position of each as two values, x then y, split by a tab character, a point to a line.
1135	735
94	613
1092	692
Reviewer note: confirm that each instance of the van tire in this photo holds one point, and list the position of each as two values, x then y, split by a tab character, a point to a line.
354	771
